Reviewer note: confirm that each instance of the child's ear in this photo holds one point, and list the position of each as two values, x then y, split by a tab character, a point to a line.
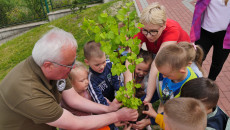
183	69
86	61
189	63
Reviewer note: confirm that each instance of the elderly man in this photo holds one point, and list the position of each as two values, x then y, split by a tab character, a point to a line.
30	93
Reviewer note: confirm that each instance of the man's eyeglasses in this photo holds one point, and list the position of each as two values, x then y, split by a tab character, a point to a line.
68	66
151	32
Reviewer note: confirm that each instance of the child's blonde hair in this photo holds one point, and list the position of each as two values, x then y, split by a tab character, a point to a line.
194	53
173	55
153	14
79	66
185	114
93	49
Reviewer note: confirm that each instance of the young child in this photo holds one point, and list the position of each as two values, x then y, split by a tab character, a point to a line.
102	84
184	114
141	71
208	94
195	55
172	64
180	114
80	82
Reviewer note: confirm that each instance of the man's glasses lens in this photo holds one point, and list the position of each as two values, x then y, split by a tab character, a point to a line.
68	66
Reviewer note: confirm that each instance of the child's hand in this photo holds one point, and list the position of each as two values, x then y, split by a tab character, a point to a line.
107	101
115	105
121	123
141	124
147	99
127	127
151	112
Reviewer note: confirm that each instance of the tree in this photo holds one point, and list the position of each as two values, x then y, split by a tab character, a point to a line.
111	37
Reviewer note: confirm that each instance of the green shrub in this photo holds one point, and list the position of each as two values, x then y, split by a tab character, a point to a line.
5	6
35	6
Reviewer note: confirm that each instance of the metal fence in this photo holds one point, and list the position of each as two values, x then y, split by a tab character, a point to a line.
56	4
14	12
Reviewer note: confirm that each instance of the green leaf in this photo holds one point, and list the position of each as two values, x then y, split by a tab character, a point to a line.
135	49
117	39
85	24
131	68
132	15
102	19
140	25
96	29
104	15
122	11
136	41
139	60
114	29
97	38
138	85
110	35
120	17
129	4
136	30
103	35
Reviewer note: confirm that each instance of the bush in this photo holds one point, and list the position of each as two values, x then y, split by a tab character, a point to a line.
35	6
5	6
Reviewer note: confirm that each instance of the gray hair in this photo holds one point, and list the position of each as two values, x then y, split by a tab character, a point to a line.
48	48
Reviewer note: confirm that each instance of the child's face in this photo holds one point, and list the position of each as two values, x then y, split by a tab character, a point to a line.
80	82
97	64
142	69
167	72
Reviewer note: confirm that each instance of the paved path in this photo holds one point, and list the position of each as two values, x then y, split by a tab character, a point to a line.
182	12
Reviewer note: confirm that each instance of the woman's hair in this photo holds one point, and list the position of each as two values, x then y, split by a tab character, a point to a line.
93	49
153	14
50	46
202	89
185	114
146	55
194	53
79	66
173	55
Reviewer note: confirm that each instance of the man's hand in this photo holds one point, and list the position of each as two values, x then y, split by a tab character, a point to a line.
114	106
127	114
141	124
151	112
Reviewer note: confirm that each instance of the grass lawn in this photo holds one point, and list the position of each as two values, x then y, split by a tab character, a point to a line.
19	48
